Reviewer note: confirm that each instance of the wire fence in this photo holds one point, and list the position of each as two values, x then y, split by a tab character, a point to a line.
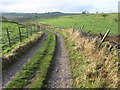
12	36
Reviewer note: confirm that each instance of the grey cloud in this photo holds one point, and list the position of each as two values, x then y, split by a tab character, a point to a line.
61	5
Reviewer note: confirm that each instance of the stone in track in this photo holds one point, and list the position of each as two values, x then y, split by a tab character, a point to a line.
59	76
11	72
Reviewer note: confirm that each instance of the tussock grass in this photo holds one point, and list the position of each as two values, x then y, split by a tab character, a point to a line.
91	67
37	67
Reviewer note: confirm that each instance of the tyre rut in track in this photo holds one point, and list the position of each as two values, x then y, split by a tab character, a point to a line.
59	74
11	72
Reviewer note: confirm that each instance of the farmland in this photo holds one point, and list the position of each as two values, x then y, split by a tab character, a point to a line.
88	68
62	54
94	22
13	40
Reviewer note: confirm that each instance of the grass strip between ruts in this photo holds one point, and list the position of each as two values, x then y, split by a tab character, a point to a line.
39	62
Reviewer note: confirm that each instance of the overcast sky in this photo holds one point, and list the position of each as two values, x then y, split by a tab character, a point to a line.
41	6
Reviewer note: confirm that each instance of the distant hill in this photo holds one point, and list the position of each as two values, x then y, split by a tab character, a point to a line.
21	17
55	13
2	17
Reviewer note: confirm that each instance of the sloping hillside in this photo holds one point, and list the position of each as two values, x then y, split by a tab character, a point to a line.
94	22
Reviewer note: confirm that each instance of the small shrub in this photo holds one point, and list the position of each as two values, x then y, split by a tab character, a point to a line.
115	19
104	15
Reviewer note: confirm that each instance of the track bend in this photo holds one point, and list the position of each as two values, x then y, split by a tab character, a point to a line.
59	76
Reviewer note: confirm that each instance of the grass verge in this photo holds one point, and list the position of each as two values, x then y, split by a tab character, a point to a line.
12	56
91	67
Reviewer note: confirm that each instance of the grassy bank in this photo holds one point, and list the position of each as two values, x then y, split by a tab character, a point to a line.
91	67
26	31
13	55
37	67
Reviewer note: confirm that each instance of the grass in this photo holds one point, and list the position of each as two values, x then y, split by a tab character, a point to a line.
19	50
45	63
94	22
39	63
14	35
91	67
79	68
7	50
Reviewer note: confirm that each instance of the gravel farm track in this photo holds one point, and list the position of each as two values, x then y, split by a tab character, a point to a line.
59	76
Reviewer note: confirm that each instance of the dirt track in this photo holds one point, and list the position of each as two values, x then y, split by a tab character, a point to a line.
11	72
59	76
60	71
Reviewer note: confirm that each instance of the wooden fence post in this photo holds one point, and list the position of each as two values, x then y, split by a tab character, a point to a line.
20	38
82	27
38	28
74	28
106	34
34	28
26	31
8	35
31	31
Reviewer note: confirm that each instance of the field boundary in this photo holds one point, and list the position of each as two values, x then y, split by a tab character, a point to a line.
110	42
27	32
10	58
91	66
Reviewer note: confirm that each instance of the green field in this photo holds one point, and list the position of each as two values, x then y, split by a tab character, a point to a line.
90	66
94	22
13	30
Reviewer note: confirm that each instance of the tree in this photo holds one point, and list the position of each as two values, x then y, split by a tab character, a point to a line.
85	12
